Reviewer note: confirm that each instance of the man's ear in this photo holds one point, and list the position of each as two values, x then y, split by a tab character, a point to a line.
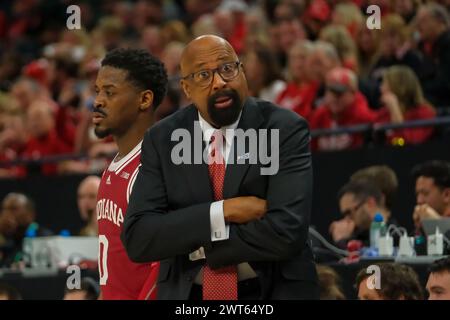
186	88
446	194
371	202
146	100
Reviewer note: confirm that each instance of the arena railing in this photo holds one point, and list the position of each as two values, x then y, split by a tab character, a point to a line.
369	130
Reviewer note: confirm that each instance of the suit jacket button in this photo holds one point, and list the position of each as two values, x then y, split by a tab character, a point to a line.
189	278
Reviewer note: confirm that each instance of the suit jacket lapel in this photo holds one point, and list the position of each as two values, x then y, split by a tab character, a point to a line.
251	118
197	173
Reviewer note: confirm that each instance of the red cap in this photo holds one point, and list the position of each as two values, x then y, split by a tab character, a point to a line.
37	70
341	79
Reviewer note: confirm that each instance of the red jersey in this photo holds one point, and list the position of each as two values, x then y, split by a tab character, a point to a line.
119	277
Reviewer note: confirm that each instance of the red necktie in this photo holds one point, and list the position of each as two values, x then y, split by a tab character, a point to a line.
219	284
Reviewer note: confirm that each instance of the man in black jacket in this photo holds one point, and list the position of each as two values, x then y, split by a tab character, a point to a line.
433	25
230	217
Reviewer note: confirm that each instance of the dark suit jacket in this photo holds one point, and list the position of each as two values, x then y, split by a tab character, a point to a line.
168	215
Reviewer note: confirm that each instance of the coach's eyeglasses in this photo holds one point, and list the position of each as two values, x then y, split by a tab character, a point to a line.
203	78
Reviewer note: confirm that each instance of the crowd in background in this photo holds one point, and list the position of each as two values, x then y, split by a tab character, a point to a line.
318	58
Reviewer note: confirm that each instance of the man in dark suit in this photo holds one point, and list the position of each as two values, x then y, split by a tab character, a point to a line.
231	227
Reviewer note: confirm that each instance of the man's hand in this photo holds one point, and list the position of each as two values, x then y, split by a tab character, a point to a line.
244	209
342	229
424	211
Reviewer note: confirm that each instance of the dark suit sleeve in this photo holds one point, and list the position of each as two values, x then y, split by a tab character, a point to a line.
151	231
283	231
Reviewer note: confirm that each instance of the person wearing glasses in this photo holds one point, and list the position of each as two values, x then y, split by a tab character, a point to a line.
344	106
359	202
223	228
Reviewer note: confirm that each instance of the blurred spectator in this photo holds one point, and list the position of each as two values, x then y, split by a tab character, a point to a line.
316	17
263	74
287	28
300	90
406	8
438	284
89	290
10	67
395	47
152	40
171	58
403	101
359	202
345	46
384	178
230	20
110	31
204	25
258	30
344	105
432	191
175	31
397	282
323	59
13	136
16	217
350	16
44	140
368	42
433	24
87	204
9	293
329	282
26	90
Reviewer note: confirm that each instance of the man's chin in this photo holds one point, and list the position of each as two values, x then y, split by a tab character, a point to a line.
225	116
101	132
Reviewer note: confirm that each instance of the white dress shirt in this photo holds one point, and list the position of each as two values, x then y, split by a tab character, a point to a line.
219	230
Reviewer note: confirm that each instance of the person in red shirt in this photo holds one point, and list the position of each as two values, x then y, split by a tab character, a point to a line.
300	91
402	97
343	106
44	139
130	85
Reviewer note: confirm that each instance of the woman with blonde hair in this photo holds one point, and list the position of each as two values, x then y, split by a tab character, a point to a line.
342	40
403	100
301	90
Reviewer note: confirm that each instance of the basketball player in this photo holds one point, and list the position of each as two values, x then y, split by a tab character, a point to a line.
129	86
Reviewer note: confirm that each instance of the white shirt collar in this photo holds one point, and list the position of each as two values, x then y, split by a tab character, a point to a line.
208	130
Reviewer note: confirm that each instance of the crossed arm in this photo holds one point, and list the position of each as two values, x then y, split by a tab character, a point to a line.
269	229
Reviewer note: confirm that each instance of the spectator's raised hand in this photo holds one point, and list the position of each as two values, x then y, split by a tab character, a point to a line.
342	229
424	211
